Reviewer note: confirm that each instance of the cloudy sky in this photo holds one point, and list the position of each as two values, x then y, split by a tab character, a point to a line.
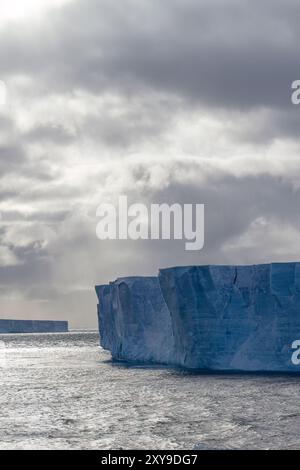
165	101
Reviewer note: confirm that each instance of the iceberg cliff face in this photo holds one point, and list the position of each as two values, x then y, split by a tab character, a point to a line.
134	320
205	317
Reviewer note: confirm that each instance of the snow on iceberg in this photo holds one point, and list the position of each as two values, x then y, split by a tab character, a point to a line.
243	318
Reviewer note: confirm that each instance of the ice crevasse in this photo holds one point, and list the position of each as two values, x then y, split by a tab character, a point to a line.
228	318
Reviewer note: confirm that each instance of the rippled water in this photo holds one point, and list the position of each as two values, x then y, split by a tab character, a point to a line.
61	391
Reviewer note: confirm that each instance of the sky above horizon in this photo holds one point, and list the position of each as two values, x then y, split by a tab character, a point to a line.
176	101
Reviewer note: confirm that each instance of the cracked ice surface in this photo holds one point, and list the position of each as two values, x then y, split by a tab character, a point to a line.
205	317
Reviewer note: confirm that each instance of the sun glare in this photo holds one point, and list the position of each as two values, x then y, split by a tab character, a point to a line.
25	9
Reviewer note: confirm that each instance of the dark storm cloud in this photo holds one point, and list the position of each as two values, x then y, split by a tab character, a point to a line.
231	202
11	157
77	257
34	270
233	54
37	216
50	133
137	121
4	195
138	75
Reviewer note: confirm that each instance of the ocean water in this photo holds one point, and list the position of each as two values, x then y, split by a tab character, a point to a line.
61	391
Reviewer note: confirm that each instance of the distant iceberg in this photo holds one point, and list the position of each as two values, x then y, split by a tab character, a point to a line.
33	326
227	318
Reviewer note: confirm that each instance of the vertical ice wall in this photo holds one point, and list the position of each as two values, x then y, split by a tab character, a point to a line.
134	321
206	317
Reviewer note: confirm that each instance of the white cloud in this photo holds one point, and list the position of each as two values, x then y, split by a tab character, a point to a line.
7	257
202	118
17	10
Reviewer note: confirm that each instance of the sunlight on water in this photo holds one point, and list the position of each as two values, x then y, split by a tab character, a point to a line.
61	391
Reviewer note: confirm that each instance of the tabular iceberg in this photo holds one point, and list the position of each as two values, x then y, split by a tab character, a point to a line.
33	326
228	318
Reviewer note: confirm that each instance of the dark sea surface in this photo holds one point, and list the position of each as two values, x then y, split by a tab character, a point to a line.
61	391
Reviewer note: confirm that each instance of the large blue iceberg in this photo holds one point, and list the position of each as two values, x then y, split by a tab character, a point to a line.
228	318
